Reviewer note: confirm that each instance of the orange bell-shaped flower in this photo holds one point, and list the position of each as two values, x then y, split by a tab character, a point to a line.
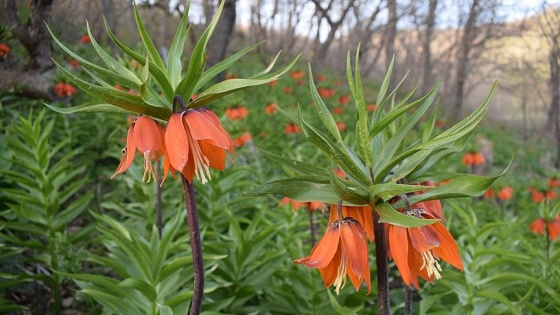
416	251
146	135
342	251
196	141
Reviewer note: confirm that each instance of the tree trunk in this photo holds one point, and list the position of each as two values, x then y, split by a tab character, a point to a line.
34	79
391	32
220	39
426	47
465	46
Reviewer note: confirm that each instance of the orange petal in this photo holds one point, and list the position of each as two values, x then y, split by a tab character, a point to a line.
176	142
203	127
147	135
398	242
356	249
216	155
424	238
324	251
448	249
330	272
128	154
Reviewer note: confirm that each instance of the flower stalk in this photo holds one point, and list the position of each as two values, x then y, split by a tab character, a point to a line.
381	262
196	246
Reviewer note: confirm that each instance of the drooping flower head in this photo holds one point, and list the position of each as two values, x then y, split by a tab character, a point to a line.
416	251
237	112
473	158
146	135
195	142
362	214
506	193
552	227
62	89
342	251
85	39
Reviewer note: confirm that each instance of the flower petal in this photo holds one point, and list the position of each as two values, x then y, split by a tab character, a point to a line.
424	238
447	250
399	247
176	142
129	152
147	135
205	125
324	251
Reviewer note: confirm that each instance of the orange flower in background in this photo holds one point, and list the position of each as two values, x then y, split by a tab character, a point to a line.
145	135
344	99
538	226
341	126
241	140
237	113
371	107
337	110
272	83
271	108
326	92
489	193
339	173
554	182
416	251
321	78
195	142
62	89
292	128
336	83
473	158
230	76
342	251
4	50
296	205
297	74
119	87
85	39
74	64
505	193
540	196
287	90
552	228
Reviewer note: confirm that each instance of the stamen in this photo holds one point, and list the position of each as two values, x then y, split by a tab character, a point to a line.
431	264
341	272
149	172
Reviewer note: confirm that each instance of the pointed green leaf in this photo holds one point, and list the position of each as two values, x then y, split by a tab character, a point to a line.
111	62
221	66
300	188
322	110
143	287
223	88
387	191
387	214
298	166
147	41
393	114
174	64
349	191
92	107
385	84
185	88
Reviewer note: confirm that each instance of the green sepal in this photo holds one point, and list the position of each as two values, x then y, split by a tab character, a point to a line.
322	110
174	64
349	191
185	88
299	188
93	107
387	191
388	214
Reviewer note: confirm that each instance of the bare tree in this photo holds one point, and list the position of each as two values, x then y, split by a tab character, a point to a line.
328	14
550	28
217	45
391	32
426	46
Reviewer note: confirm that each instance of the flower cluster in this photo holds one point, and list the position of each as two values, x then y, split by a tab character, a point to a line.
551	227
62	89
193	142
416	251
473	158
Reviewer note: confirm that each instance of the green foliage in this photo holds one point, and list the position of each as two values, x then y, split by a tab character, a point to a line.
44	195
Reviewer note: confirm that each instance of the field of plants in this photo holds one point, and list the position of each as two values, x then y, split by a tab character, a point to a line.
309	193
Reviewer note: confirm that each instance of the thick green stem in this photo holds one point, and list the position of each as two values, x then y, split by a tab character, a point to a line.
196	246
381	261
57	299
